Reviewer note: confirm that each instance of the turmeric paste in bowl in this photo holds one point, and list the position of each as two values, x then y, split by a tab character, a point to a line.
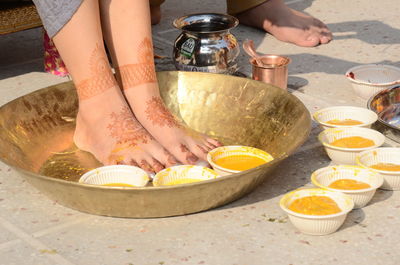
386	166
345	116
227	160
349	184
345	122
386	162
316	211
315	205
343	144
357	182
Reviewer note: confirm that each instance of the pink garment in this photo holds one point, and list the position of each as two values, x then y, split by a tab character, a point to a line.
53	63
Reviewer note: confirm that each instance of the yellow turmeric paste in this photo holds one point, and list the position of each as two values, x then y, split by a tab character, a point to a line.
353	142
315	205
346	122
386	166
349	184
239	162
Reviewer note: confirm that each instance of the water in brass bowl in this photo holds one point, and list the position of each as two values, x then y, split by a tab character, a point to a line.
387	105
36	139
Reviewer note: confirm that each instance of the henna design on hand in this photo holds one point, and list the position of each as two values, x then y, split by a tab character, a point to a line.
190	157
158	113
101	77
125	129
142	72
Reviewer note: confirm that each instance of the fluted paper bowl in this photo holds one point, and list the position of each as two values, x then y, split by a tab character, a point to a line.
365	116
323	177
347	156
369	79
372	157
317	224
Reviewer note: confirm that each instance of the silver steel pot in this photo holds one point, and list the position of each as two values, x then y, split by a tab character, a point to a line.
205	44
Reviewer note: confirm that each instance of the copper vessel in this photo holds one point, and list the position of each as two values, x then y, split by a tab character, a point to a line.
36	140
274	69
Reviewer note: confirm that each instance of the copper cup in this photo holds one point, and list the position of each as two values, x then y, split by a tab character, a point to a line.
273	71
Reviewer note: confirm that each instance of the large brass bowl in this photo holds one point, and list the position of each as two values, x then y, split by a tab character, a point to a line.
36	139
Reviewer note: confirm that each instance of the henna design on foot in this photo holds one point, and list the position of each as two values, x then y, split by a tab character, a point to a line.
157	166
142	72
170	159
126	129
202	148
134	163
189	156
145	166
159	115
101	77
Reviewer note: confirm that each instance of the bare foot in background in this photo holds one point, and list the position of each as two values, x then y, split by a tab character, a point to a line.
286	24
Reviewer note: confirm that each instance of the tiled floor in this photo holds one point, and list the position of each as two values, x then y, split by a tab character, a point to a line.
252	230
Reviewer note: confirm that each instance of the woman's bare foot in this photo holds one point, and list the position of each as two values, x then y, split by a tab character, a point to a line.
142	92
107	128
286	24
186	145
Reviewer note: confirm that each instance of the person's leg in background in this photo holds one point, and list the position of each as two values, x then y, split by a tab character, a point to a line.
53	64
155	11
284	23
105	125
132	52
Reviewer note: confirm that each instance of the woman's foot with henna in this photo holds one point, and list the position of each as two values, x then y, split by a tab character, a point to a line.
142	92
286	24
186	145
107	128
112	134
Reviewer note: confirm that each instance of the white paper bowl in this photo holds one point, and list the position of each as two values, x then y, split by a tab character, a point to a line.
382	155
172	174
347	156
224	151
323	177
317	224
366	116
367	80
124	174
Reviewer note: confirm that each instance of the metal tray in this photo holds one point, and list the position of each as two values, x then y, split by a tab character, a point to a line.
386	104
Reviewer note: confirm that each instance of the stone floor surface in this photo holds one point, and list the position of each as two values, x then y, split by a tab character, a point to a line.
252	230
